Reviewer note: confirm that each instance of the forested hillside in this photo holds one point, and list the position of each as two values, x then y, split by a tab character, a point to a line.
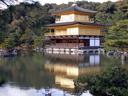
24	24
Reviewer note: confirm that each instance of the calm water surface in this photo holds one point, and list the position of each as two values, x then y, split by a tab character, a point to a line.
33	73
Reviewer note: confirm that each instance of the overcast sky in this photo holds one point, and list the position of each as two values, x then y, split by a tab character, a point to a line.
66	1
60	1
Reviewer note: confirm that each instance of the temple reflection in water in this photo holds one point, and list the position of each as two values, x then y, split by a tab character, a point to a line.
66	68
42	71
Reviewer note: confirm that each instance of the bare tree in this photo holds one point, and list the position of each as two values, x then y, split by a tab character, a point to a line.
8	2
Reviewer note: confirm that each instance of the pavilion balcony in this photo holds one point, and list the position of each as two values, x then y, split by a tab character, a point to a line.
63	45
59	33
68	45
49	34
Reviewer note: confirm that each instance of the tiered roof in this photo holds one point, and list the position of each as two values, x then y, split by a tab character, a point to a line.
75	8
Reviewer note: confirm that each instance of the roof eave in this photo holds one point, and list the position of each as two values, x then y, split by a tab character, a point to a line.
61	12
80	23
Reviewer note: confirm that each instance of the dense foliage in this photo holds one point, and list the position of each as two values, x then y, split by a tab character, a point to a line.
113	82
24	24
117	36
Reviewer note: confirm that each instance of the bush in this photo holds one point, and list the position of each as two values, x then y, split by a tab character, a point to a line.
113	82
2	81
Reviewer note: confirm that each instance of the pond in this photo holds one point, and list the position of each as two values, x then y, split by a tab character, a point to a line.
34	74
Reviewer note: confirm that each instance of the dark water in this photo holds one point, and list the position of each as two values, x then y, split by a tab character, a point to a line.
35	71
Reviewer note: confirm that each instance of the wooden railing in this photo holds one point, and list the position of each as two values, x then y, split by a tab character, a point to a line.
64	33
65	45
49	34
56	34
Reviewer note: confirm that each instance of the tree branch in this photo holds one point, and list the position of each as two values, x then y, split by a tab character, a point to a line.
3	1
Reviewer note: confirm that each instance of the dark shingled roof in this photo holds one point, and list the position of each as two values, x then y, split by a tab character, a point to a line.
73	23
76	8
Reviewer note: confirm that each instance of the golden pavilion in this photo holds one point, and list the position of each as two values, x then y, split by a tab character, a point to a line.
74	32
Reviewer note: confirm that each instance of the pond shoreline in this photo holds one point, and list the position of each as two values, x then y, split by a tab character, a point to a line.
8	52
40	70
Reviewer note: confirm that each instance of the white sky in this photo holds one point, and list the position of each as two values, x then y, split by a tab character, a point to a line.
59	1
66	1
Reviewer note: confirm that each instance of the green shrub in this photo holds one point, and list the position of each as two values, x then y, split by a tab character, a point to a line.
113	82
2	81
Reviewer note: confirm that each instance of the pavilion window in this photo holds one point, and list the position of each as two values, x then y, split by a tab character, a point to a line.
58	18
52	30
